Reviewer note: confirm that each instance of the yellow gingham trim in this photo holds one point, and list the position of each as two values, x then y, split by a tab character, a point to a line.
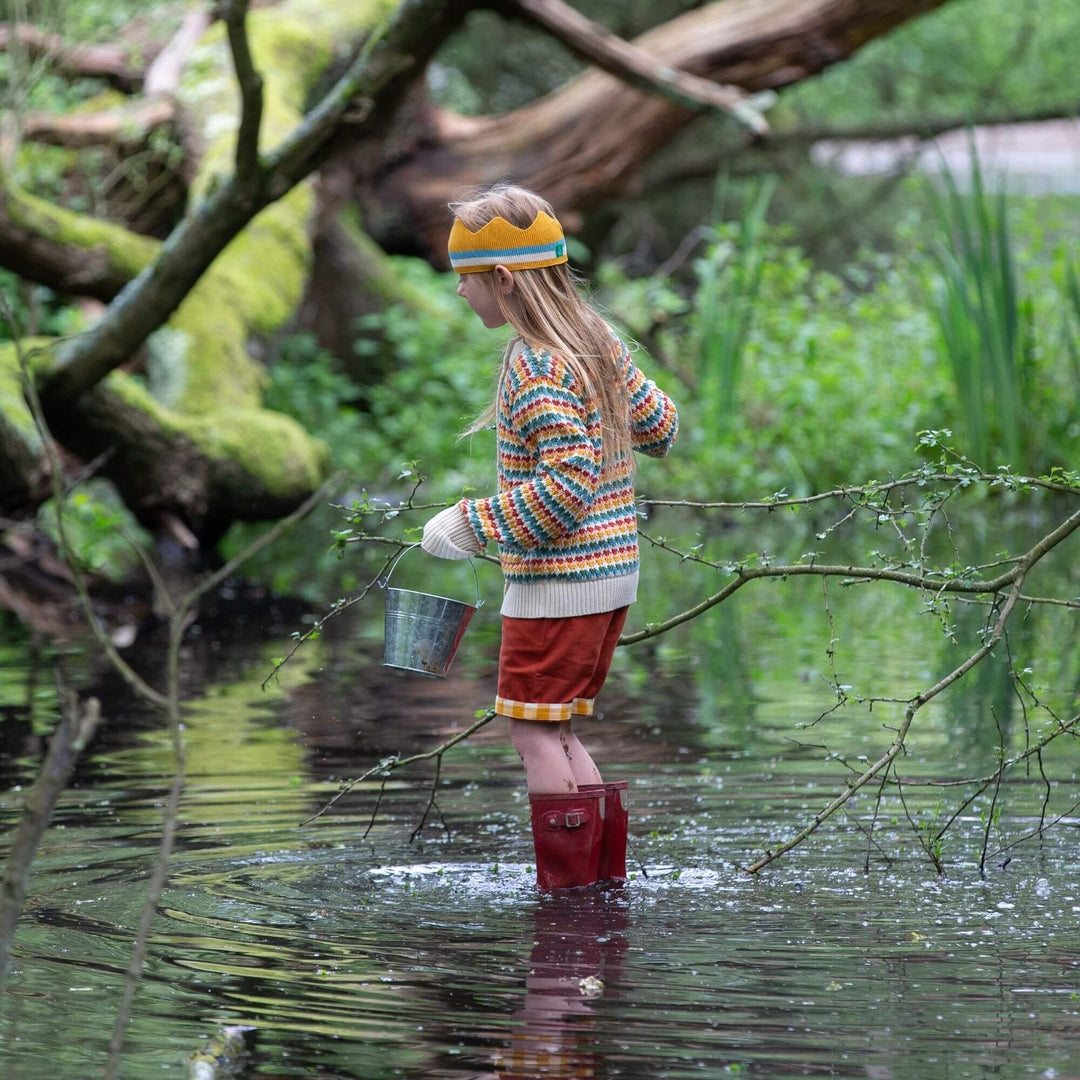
583	706
534	710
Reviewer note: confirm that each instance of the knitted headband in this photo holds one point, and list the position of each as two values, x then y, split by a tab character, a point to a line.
500	243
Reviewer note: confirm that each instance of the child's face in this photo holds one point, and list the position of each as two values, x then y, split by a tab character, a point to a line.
479	292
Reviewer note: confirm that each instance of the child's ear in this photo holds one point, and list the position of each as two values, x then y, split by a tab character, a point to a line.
504	280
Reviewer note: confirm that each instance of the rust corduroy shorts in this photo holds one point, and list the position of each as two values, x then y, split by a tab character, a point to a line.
552	669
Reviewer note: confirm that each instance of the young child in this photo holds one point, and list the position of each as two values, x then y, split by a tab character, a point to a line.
569	409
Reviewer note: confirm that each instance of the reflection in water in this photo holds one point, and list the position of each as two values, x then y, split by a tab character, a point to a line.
579	944
372	959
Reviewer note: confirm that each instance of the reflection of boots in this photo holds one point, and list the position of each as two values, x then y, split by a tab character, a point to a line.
568	830
616	822
577	935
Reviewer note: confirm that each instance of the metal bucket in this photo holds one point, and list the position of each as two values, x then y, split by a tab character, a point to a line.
422	632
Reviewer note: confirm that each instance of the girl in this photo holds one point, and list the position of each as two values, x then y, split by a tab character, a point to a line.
569	408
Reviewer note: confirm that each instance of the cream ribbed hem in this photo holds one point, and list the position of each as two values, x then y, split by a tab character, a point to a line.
564	599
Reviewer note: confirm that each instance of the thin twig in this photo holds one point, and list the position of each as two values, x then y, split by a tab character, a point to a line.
771	855
129	675
431	802
390	764
994	797
873	822
337	609
1040	831
234	14
929	848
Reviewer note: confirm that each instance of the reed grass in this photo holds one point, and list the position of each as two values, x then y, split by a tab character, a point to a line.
729	286
987	327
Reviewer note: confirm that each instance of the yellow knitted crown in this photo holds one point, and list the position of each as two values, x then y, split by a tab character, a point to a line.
500	243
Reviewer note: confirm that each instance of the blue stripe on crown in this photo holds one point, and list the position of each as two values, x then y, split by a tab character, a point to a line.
532	249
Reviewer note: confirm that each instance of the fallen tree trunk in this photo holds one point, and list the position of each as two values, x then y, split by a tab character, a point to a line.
585	142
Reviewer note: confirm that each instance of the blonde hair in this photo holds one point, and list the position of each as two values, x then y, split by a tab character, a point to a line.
548	312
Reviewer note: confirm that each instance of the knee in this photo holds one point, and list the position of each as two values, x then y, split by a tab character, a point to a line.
529	736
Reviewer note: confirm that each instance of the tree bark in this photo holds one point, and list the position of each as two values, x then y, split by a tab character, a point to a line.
585	142
109	62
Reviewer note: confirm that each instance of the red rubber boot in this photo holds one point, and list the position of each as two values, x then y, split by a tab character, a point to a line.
616	823
568	831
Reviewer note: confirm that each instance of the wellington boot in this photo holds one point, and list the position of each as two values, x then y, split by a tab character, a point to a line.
616	823
568	831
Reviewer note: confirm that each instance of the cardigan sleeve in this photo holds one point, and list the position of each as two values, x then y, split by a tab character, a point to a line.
654	420
551	420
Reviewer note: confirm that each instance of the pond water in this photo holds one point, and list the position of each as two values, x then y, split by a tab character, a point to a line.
356	956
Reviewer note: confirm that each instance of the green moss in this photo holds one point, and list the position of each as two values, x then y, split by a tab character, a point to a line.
103	102
279	455
201	365
268	445
15	414
126	251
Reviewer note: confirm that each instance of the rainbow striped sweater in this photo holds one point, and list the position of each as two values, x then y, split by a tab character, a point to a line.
561	518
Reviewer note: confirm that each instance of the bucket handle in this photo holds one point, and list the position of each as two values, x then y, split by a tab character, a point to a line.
384	583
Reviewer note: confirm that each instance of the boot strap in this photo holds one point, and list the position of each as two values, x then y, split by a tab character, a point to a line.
569	819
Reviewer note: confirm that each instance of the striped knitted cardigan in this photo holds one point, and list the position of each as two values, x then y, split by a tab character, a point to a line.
560	514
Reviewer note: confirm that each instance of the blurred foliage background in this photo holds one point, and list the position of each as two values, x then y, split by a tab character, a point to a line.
809	322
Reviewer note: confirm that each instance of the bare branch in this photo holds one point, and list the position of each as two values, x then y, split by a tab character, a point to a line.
932	583
163	75
916	127
77	61
69	739
898	742
633	65
392	763
234	13
125	128
865	491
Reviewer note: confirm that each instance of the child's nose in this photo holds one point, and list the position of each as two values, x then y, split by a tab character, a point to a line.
461	287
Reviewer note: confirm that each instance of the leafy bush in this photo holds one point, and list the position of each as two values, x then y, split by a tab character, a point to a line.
99	527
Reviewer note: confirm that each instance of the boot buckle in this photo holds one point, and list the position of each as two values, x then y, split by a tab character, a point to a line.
574	819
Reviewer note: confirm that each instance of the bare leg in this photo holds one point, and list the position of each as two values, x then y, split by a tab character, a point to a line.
548	770
581	763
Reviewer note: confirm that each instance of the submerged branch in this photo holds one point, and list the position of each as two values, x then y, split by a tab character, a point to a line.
389	764
73	733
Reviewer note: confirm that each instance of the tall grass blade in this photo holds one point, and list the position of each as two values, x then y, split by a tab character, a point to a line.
986	327
729	284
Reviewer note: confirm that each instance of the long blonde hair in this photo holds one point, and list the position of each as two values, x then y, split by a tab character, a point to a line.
547	311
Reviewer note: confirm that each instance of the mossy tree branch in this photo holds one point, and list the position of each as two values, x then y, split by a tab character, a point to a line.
370	86
109	62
